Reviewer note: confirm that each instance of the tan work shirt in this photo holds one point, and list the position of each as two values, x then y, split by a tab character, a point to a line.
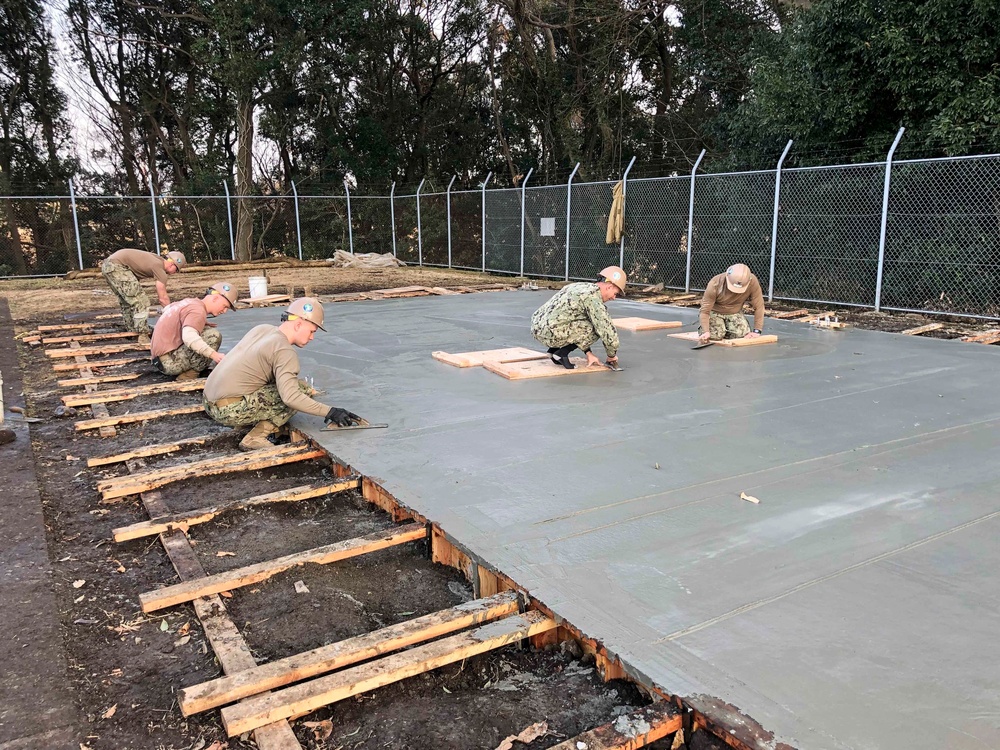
168	332
263	356
719	299
144	265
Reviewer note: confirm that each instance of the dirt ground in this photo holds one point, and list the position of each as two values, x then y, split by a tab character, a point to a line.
125	667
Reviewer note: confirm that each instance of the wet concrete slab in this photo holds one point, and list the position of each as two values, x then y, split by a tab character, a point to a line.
855	607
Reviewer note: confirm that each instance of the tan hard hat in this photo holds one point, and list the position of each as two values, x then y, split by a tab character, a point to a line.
177	258
616	276
227	290
307	308
737	277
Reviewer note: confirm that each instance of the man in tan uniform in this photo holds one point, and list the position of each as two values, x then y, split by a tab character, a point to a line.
184	343
722	305
258	381
123	269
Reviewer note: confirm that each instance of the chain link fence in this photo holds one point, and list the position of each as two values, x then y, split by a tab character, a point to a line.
921	235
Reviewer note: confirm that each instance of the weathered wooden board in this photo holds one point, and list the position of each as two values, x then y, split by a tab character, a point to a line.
476	359
545	368
644	324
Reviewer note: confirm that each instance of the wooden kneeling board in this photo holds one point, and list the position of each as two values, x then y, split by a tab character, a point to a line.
644	324
764	339
477	359
544	368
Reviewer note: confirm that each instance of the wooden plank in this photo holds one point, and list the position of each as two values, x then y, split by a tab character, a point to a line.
270	299
139	416
541	369
127	394
68	327
250	461
788	313
184	521
756	341
97	350
813	316
99	409
442	291
96	380
322	691
276	674
227	642
984	337
149	450
629	732
65	366
82	338
476	359
179	593
835	325
644	324
923	329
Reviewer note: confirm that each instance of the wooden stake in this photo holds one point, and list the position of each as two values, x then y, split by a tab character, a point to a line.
152	601
90	337
139	416
149	450
184	521
923	329
69	383
64	366
96	350
308	696
127	394
276	674
641	727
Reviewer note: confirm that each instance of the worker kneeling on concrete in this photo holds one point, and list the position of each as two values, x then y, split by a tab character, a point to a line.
184	342
258	381
576	318
722	305
123	269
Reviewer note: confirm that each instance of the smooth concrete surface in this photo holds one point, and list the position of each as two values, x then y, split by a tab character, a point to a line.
855	607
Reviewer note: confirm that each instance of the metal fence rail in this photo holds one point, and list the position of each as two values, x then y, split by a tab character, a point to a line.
920	235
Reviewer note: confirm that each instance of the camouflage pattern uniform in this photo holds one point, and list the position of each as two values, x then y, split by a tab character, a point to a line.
183	358
575	315
727	326
264	404
131	296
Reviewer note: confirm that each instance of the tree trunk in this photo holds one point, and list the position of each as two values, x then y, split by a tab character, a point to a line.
244	177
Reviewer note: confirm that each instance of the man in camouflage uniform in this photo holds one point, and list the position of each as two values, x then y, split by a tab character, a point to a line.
722	305
123	269
576	317
257	383
184	343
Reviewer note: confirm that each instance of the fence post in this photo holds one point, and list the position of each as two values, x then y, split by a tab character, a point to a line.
885	217
156	225
420	231
76	224
448	199
621	247
524	185
690	234
490	174
569	208
298	227
774	221
229	216
392	215
350	229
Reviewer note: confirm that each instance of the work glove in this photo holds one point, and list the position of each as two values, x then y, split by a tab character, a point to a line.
341	417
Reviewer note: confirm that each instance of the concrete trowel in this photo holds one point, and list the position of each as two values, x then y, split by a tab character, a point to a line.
364	424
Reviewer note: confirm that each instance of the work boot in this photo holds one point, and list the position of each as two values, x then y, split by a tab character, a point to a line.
188	375
258	437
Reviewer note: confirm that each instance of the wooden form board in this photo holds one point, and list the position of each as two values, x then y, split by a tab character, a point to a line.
139	416
640	728
126	394
692	336
97	380
476	359
97	350
84	337
322	691
270	299
68	327
645	324
788	314
276	674
923	329
66	366
545	368
147	451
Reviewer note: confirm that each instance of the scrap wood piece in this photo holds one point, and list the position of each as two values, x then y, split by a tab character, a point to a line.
276	674
767	338
68	327
923	329
149	450
96	380
630	731
985	337
545	368
476	359
813	316
95	350
227	642
84	337
788	313
127	394
64	366
322	691
99	409
249	461
179	593
644	324
139	416
402	291
830	324
269	299
187	519
441	290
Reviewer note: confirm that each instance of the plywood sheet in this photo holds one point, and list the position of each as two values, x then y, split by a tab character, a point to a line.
693	336
476	359
644	324
545	368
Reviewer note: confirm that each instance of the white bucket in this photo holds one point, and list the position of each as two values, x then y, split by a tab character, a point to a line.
258	286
